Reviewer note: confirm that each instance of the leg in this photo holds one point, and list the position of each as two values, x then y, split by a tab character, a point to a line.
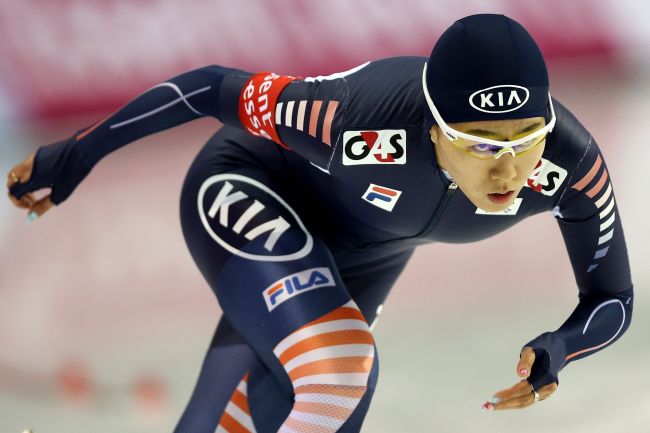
280	289
227	361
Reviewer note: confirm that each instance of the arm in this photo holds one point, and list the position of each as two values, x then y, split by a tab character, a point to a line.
212	90
591	227
209	91
234	97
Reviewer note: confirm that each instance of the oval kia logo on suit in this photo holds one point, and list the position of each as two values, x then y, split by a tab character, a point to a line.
233	229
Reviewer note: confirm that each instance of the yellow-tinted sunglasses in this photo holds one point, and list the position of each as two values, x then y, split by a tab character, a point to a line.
482	150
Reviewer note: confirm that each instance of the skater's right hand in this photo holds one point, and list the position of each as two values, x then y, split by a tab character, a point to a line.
58	166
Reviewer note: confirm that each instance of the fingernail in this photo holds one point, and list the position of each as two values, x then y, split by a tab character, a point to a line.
494	400
31	217
487	406
523	372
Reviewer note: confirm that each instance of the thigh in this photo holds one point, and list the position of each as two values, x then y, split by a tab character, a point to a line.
227	362
276	282
370	283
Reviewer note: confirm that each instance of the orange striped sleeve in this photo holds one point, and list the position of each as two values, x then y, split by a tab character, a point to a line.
601	182
324	340
338	314
331	410
351	364
232	425
340	391
589	176
240	401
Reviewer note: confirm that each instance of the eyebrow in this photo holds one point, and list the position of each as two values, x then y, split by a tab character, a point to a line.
491	134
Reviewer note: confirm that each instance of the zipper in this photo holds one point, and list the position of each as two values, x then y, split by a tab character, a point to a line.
451	189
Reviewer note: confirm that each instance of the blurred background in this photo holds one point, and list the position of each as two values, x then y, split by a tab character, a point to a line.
104	318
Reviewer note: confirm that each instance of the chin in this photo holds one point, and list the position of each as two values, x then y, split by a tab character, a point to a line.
487	205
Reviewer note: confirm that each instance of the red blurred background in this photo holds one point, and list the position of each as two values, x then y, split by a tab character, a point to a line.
103	317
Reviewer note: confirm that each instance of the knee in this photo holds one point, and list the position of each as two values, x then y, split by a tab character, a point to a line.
336	349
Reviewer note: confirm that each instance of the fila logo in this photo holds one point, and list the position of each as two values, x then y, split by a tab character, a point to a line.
387	146
228	222
382	197
546	177
296	284
510	210
499	99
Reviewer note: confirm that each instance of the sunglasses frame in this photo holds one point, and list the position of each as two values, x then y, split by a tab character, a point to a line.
501	152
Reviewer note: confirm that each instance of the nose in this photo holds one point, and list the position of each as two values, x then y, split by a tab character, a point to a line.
504	170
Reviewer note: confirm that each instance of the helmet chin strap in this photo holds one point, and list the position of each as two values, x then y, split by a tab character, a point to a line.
503	152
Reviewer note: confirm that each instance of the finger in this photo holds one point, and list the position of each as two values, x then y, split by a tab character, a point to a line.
516	403
28	200
547	390
42	206
25	201
12	177
17	202
526	360
527	399
22	171
517	390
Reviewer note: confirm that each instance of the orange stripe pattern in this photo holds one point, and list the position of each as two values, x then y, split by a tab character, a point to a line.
237	416
313	119
309	123
599	185
328	361
327	123
589	176
604	203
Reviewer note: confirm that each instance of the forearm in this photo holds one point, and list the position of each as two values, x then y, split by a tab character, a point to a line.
597	322
186	97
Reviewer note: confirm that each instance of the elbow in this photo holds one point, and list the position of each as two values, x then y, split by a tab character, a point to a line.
627	300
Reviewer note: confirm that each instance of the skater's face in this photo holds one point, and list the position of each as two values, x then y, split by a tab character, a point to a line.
491	184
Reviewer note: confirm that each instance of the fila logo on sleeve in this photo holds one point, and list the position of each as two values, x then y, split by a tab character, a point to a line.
387	146
382	197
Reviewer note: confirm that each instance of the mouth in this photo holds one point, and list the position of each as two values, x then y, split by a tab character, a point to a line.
501	198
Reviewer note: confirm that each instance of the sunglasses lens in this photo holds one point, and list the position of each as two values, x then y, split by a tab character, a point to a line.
482	150
485	150
527	145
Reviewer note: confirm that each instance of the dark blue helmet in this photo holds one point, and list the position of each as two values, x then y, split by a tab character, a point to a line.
486	67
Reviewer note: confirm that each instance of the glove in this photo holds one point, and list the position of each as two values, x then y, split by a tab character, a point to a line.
59	166
550	354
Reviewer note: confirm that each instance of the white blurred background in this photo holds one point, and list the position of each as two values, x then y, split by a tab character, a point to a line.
104	319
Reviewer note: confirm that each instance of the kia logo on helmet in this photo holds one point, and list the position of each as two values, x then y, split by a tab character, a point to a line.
499	99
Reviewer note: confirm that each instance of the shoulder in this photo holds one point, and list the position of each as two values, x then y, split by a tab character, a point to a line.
572	146
569	148
376	93
570	140
386	91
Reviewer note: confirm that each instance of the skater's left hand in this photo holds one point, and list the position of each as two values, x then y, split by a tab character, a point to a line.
521	394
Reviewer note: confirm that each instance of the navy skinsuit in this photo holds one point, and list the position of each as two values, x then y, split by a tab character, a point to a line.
296	242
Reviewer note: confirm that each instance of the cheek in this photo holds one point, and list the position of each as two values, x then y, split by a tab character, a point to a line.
531	163
473	177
